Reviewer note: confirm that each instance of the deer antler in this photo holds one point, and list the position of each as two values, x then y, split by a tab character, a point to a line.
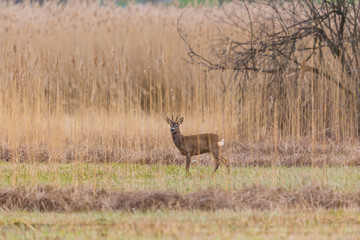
176	119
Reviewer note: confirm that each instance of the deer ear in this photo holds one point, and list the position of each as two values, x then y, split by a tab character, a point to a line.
168	120
180	120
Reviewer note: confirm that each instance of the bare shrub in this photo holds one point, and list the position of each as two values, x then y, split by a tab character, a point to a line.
293	57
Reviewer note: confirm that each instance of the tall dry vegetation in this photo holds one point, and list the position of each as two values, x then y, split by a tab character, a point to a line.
87	82
81	79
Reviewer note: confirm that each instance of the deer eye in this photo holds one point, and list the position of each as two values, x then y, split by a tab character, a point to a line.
177	126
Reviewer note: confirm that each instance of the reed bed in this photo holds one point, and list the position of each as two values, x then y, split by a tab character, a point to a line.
83	82
96	79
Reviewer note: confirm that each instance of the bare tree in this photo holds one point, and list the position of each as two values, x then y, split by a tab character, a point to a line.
289	37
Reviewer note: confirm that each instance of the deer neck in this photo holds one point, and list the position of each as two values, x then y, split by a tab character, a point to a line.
178	139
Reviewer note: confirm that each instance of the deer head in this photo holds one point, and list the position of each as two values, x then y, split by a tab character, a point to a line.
174	124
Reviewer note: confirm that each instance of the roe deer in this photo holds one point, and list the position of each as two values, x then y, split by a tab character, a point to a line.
197	144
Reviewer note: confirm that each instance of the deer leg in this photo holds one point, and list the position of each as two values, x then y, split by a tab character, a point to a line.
222	159
188	160
217	163
226	162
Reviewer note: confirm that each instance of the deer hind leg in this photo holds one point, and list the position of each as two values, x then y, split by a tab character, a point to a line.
188	160
226	163
217	160
217	163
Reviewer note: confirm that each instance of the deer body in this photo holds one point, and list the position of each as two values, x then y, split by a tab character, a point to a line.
197	144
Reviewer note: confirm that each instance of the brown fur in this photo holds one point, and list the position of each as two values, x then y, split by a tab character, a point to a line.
196	144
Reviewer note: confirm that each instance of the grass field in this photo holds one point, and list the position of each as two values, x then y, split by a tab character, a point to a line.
293	224
173	177
305	221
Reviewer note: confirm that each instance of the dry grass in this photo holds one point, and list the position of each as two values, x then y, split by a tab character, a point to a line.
255	198
239	153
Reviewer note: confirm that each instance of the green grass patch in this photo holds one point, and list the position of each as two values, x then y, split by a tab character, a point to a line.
130	177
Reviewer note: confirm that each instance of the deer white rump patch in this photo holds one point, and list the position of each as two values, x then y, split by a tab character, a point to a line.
221	143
